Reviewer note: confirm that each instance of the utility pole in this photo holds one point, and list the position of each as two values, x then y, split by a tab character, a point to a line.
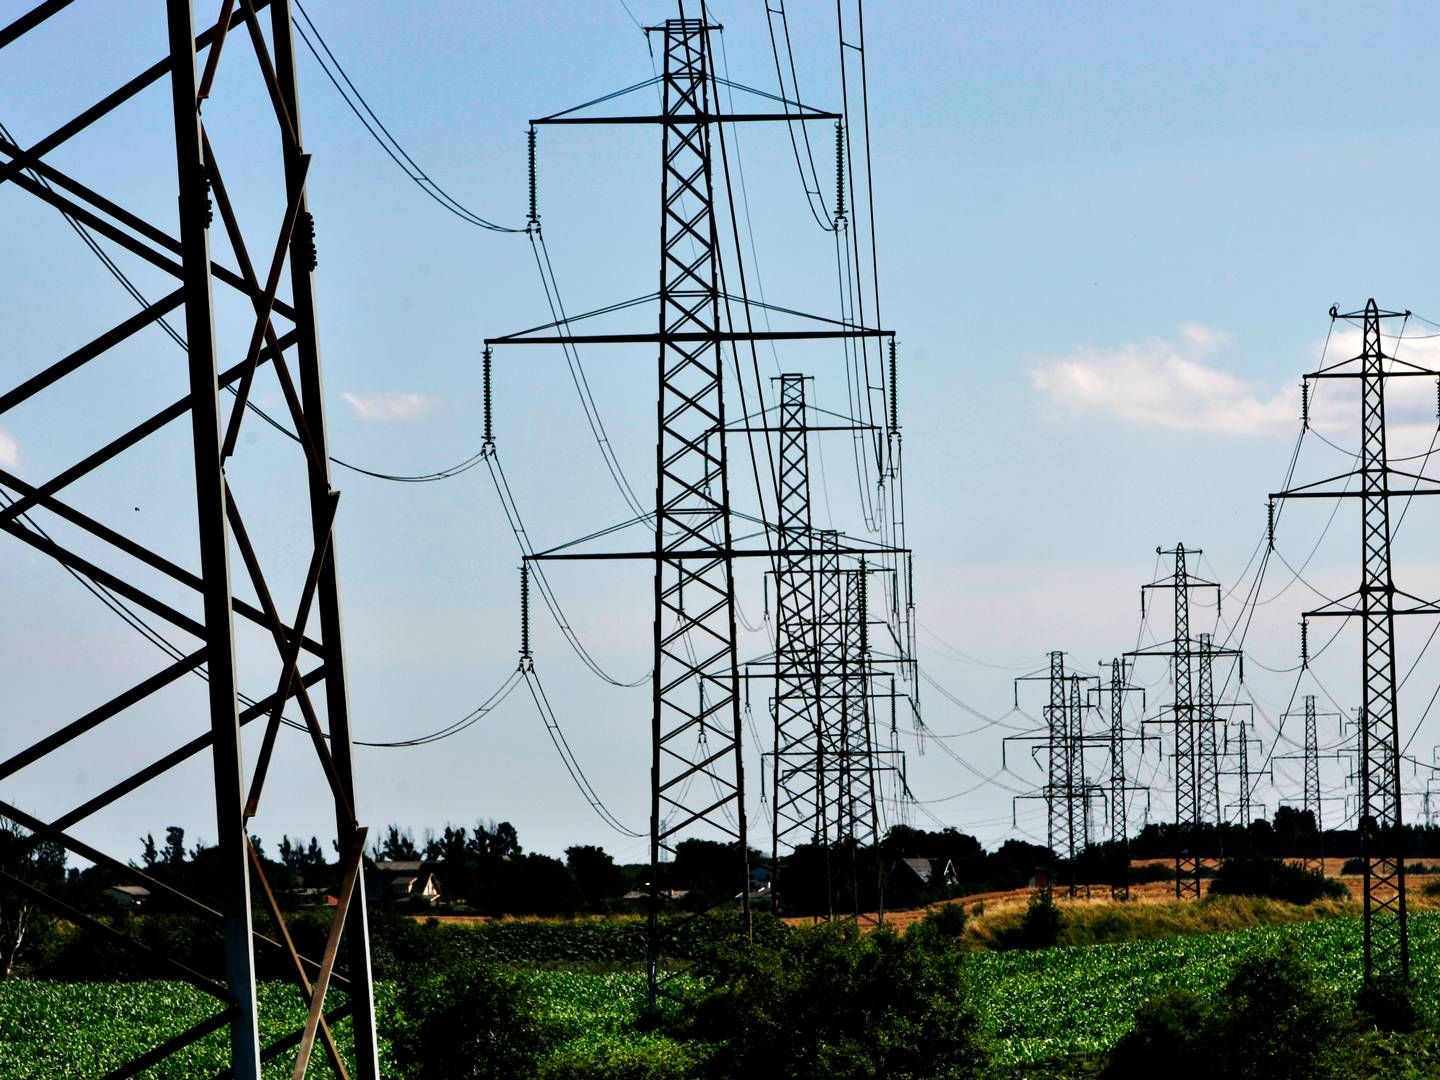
1066	791
696	763
1186	716
1120	784
196	600
1243	741
1311	799
1386	933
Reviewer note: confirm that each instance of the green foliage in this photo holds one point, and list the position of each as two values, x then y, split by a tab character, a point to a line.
942	926
1388	1004
1168	1028
471	1021
1261	875
53	1029
1039	929
832	1002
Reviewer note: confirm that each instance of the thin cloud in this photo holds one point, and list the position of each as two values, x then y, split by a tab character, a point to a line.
1168	384
390	406
9	450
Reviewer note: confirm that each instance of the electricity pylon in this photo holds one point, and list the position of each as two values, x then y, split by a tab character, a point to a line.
1120	783
1239	749
278	336
1311	799
1386	932
1066	791
1186	716
696	762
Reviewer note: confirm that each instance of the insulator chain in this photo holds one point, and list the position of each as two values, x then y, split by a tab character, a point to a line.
533	221
1305	405
894	389
304	247
526	660
839	171
1437	399
488	443
209	205
864	607
1270	523
1304	643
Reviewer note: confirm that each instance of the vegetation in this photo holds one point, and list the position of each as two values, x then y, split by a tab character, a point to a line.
833	1002
1263	875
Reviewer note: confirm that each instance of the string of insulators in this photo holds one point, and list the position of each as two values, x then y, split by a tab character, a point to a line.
894	390
1304	405
1304	643
909	580
533	221
526	662
209	205
839	171
305	240
1437	399
485	366
864	611
1270	523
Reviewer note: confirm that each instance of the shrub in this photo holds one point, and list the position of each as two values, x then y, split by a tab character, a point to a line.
1272	1021
662	1059
1388	1004
1353	866
941	927
1275	1021
470	1021
835	1003
1169	1028
1431	888
1261	875
1039	928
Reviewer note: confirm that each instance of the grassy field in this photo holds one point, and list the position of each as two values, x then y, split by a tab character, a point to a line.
1041	1007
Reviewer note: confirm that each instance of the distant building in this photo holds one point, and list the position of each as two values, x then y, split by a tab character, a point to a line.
401	883
927	870
128	895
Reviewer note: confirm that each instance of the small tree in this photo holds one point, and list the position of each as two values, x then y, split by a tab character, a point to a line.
25	860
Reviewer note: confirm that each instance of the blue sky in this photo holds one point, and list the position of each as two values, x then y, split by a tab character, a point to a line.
1108	238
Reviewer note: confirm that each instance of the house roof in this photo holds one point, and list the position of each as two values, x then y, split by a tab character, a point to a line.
398	866
922	868
138	892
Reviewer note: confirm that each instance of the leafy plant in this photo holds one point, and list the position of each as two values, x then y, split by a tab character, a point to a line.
1261	875
832	1002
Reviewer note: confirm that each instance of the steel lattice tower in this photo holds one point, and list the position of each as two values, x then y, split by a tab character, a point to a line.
1060	815
1120	784
799	763
697	774
1207	750
1186	716
166	589
1386	937
1311	799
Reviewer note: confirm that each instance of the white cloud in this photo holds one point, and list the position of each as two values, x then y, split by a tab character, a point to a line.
388	406
9	450
1161	383
1172	384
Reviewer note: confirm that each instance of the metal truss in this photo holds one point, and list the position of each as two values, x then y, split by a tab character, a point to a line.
697	773
1311	799
308	654
1207	745
798	769
1120	784
1376	603
1244	805
1187	717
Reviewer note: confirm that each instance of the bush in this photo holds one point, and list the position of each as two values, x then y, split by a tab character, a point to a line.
658	1060
467	1022
1431	888
1170	1029
1353	866
1261	875
1388	1004
1272	1021
942	926
1039	929
831	1002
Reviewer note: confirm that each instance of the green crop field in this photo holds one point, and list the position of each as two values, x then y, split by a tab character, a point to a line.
1040	1006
